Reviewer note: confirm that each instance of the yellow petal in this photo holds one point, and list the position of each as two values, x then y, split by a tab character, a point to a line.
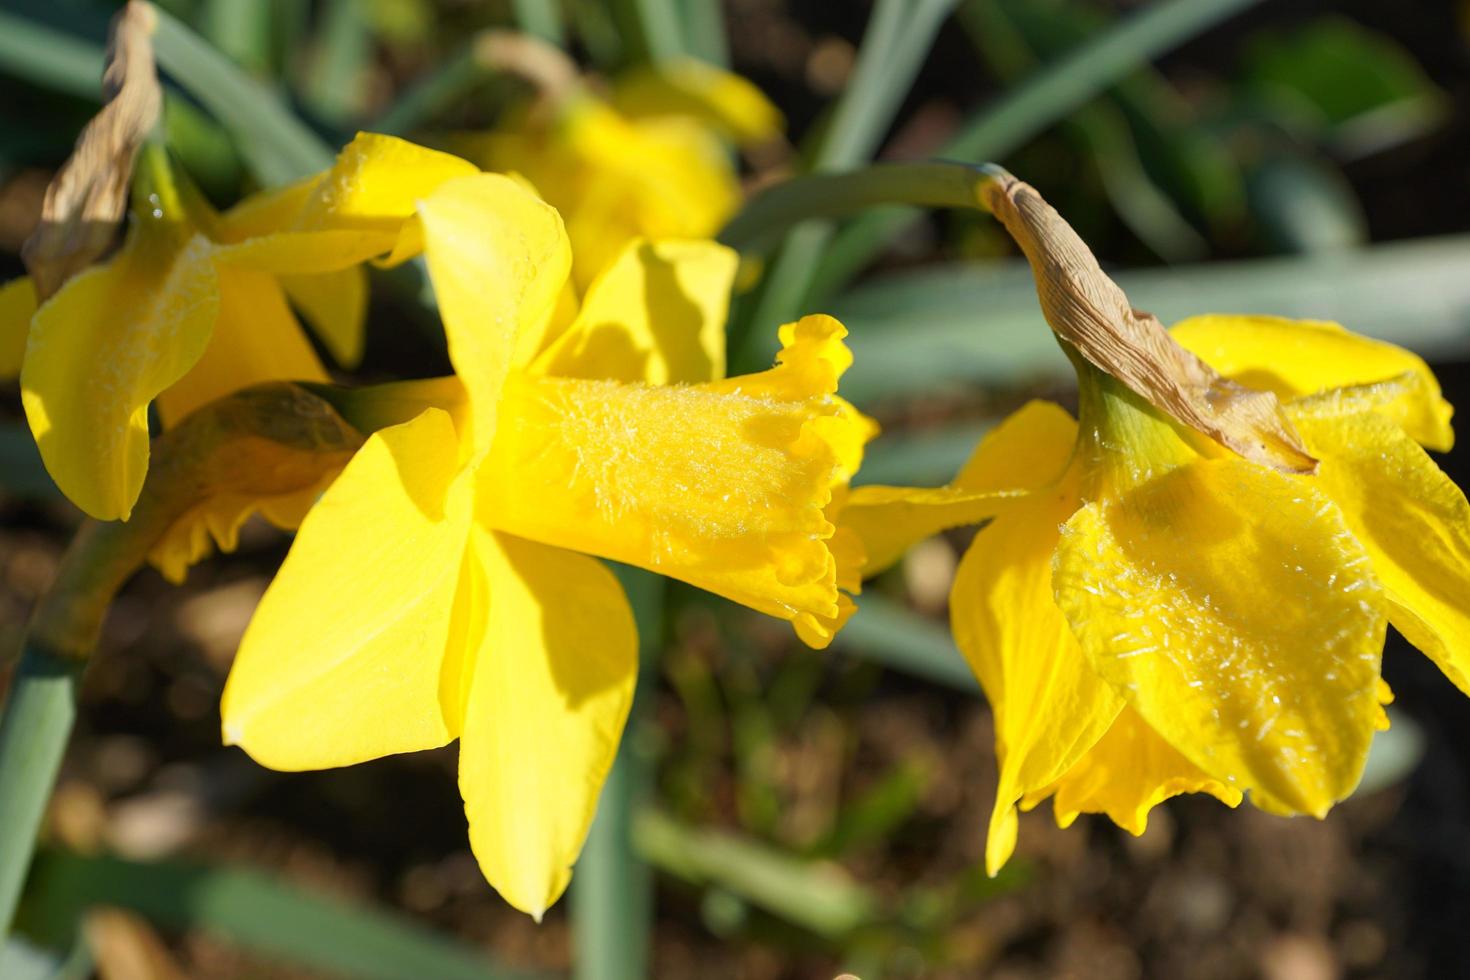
656	314
377	182
17	306
1028	450
266	212
498	257
1237	614
342	660
552	681
335	305
255	339
1414	523
1127	773
101	349
1049	705
722	485
685	86
1301	357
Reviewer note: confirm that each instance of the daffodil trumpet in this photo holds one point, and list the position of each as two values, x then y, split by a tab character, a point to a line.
1186	588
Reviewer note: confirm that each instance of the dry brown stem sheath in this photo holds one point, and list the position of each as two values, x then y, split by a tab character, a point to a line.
1087	310
89	195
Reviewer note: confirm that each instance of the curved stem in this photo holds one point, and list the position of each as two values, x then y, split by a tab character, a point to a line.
262	441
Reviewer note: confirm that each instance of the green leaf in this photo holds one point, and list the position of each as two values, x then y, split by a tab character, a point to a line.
889	633
340	55
814	895
540	18
252	910
242	31
276	145
1303	205
1365	91
929	458
22	474
963	325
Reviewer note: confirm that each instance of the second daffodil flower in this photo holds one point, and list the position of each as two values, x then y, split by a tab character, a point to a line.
442	587
1151	613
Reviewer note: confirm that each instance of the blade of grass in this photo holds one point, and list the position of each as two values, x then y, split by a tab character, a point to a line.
253	911
895	43
276	145
1025	111
612	889
542	18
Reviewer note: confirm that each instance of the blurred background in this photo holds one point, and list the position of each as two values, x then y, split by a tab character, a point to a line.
804	812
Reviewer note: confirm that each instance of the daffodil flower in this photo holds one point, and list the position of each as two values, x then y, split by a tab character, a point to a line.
1151	614
652	160
195	306
442	587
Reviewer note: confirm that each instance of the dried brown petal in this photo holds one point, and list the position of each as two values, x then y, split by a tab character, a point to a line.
89	195
1087	310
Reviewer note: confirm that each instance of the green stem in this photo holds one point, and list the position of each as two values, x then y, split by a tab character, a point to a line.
216	449
1025	111
612	890
704	28
898	36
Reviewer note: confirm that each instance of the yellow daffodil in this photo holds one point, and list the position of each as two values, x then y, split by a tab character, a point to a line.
442	587
1151	614
652	160
195	306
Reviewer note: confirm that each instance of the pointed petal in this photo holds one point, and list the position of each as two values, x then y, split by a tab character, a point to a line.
1302	357
1235	611
342	661
1028	450
255	339
17	306
656	314
498	257
722	485
377	182
121	332
266	212
1049	705
1127	773
335	305
552	682
1414	523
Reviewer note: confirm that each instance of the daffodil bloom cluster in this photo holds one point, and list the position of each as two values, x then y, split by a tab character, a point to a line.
650	160
442	587
1150	614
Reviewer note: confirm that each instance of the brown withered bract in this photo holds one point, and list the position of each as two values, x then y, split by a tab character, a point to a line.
89	195
1087	310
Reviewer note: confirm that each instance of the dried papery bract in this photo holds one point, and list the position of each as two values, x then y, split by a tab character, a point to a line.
1091	314
89	195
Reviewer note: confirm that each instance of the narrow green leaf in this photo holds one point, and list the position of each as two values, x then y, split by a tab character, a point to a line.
897	39
252	910
342	49
241	30
541	18
612	889
920	459
704	29
962	325
22	474
815	895
50	58
890	634
276	145
652	29
1025	111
